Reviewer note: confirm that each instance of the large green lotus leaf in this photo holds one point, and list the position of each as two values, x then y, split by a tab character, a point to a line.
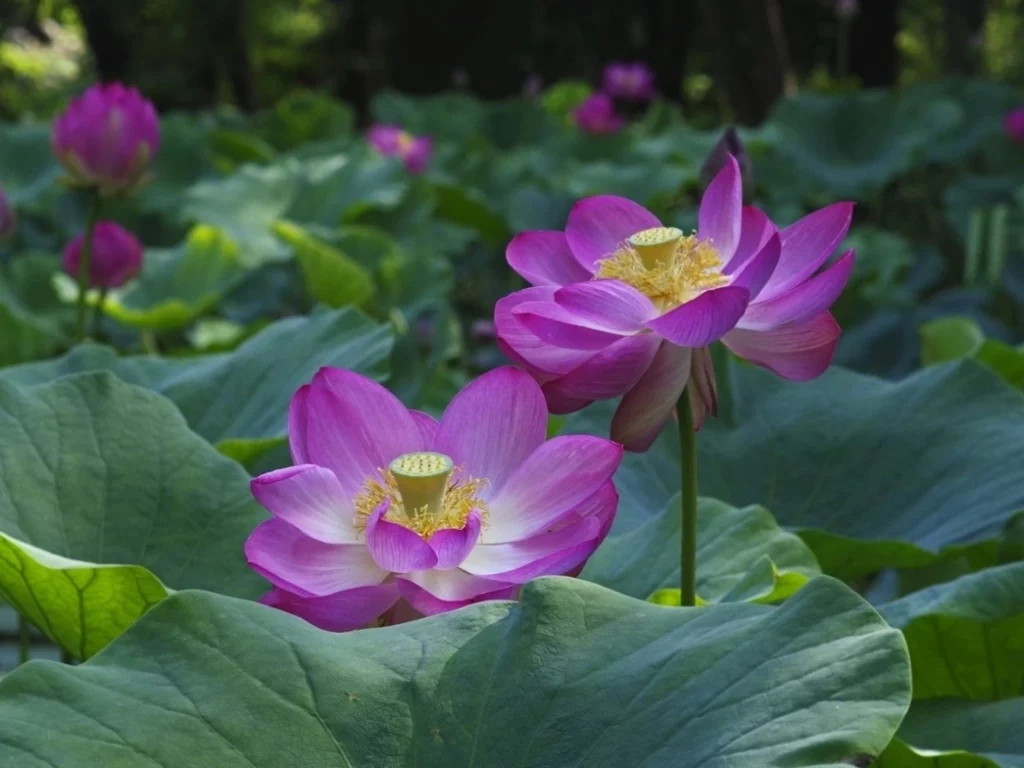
955	338
574	674
108	474
242	394
184	159
29	169
741	555
874	473
453	117
852	145
950	733
33	320
306	116
342	187
966	636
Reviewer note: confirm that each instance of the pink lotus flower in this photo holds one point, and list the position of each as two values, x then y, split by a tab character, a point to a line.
621	305
107	137
1013	125
8	221
629	81
388	505
114	259
392	141
597	115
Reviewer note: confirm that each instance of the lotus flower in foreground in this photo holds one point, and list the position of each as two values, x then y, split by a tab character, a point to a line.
388	508
107	137
392	141
622	305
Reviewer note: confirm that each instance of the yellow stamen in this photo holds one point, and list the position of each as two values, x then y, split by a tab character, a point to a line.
423	495
404	141
665	266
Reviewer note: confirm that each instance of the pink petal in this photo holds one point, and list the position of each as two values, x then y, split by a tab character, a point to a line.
394	547
720	215
806	245
311	499
544	554
289	559
755	230
598	226
427	425
549	484
559	404
492	425
544	258
607	304
757	271
601	506
432	592
340	612
453	545
645	408
557	325
798	351
521	344
354	426
706	319
809	299
703	387
297	420
609	373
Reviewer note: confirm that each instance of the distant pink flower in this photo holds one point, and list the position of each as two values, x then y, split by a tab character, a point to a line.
597	115
115	257
1013	125
8	220
629	81
389	508
392	141
483	329
107	137
847	9
622	305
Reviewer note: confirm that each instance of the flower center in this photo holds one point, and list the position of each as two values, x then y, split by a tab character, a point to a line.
666	266
422	493
404	142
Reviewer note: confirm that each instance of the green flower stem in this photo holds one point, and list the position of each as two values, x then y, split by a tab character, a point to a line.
97	315
83	264
24	640
688	475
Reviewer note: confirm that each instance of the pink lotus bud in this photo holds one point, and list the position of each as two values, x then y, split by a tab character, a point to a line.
8	222
392	141
116	256
1013	125
728	146
597	115
107	137
631	82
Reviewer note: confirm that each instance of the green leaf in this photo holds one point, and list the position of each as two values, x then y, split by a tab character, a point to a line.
948	733
243	393
574	674
32	316
741	555
234	148
874	473
331	277
464	207
105	473
965	635
950	338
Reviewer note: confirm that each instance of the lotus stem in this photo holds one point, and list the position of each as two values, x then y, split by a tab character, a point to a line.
24	640
688	475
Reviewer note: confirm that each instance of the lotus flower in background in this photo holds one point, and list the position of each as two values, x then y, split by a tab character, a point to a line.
632	81
8	220
392	141
622	305
115	258
729	145
847	9
388	508
1013	125
107	137
597	115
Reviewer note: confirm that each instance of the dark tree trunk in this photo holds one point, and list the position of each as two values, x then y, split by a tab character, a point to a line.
965	24
873	32
748	54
